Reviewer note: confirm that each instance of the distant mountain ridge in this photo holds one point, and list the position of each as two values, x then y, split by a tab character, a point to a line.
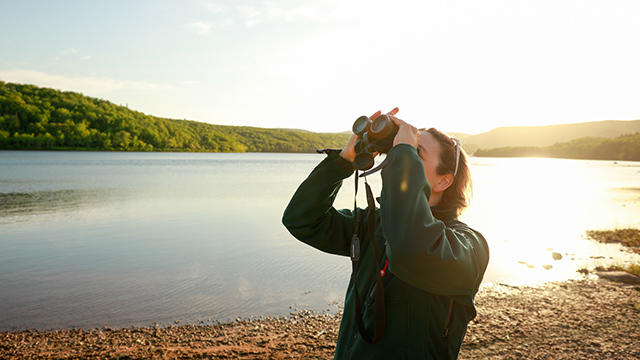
542	136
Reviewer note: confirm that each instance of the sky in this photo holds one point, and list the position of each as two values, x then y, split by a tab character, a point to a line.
458	65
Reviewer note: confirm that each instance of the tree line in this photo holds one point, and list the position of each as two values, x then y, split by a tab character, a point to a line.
625	147
33	117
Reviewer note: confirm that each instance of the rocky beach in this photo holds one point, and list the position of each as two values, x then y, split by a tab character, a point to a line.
597	317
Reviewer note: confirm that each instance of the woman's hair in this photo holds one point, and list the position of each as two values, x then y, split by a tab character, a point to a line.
459	193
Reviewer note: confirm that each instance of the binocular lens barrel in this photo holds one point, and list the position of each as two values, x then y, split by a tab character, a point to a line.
382	127
373	137
361	125
363	161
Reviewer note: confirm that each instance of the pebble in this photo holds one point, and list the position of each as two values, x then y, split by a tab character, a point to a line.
581	319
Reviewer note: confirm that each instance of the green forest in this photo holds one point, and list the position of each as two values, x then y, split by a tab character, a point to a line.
35	118
625	147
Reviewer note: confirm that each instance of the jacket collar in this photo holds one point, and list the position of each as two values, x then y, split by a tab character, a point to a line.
444	214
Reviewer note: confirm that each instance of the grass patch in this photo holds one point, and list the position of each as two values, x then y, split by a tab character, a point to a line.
627	237
634	269
631	269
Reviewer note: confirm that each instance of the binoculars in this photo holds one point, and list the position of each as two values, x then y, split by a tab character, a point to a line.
374	136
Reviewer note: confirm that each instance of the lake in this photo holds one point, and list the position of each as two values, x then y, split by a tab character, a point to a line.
107	239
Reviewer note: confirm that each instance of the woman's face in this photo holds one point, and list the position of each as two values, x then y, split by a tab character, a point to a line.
429	152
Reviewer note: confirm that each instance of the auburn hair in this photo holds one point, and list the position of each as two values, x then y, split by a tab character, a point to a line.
459	193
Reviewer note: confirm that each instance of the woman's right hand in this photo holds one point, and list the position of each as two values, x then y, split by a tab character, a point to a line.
349	152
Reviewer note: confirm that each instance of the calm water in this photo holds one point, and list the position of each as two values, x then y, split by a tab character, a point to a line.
91	239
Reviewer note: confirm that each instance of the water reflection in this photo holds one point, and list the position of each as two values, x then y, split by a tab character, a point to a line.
23	206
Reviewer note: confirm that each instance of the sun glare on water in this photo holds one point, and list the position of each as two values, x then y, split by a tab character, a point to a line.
534	213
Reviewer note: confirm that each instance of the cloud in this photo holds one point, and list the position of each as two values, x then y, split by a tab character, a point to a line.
318	13
69	51
72	54
89	85
203	28
251	14
279	12
212	7
206	27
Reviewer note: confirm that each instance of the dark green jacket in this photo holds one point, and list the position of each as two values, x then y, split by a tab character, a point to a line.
436	263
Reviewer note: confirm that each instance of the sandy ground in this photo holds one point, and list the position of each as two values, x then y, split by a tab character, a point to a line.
594	318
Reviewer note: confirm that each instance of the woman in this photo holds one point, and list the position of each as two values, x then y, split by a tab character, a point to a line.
430	264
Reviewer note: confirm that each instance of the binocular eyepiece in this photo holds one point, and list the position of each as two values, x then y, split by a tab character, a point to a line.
373	137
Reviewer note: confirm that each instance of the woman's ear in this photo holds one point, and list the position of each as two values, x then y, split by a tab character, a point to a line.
444	181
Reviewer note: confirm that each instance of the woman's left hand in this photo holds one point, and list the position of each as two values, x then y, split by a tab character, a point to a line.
407	134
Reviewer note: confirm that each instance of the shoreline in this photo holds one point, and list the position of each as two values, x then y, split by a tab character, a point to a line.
591	318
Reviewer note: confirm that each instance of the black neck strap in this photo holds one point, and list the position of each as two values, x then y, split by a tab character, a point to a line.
379	307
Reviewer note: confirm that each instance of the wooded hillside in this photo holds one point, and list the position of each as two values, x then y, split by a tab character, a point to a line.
32	117
625	147
543	136
35	118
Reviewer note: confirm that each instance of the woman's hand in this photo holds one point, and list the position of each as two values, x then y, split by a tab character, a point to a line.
349	152
407	134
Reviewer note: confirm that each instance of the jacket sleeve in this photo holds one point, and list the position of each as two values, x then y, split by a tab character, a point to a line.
310	216
422	251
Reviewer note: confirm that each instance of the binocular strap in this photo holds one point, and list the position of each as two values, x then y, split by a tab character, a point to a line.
379	307
382	165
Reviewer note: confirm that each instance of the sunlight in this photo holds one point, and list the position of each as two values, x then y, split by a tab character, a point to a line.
543	211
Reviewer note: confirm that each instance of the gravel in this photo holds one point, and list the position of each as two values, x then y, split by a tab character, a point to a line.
597	317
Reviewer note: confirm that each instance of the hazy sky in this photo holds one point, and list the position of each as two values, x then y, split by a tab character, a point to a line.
466	66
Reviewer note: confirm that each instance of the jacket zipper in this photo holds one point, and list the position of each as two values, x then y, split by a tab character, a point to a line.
447	327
